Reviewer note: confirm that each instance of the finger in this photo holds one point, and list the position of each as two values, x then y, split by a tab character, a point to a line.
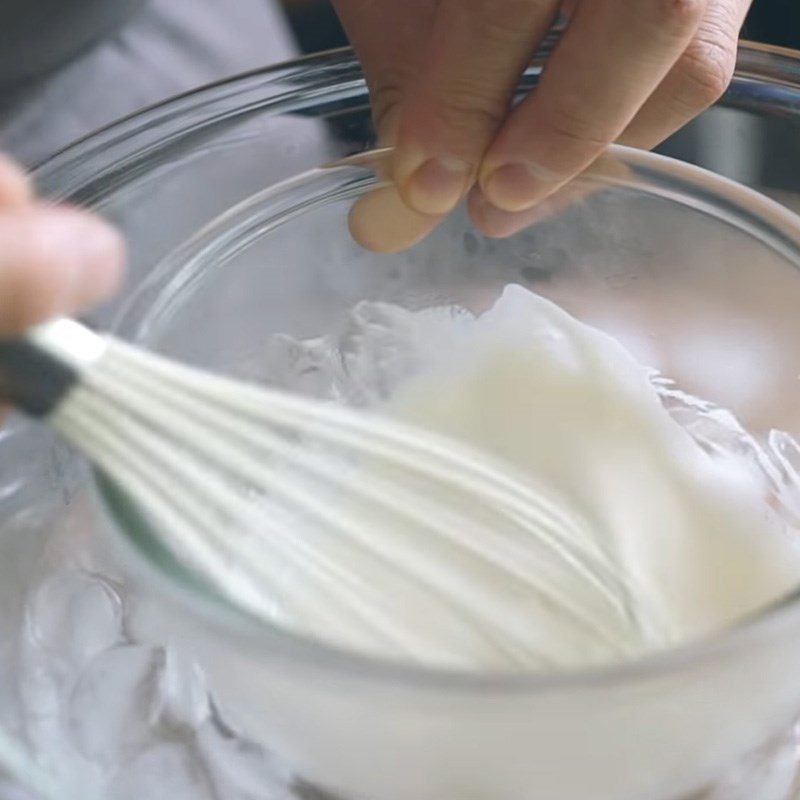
53	261
382	222
700	77
612	57
386	38
607	170
15	187
475	54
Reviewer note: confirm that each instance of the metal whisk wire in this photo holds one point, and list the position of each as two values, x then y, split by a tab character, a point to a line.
195	452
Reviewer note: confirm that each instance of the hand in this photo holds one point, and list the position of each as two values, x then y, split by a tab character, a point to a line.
53	260
442	74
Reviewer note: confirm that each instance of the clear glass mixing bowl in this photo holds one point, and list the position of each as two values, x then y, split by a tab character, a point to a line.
692	272
696	276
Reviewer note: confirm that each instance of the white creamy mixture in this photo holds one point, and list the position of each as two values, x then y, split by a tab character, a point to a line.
686	541
105	706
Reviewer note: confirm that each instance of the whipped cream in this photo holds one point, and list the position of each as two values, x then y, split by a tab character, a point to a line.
678	541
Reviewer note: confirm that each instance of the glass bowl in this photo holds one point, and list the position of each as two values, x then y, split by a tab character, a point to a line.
163	174
698	276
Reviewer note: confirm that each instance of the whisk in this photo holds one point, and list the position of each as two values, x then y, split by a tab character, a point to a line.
258	491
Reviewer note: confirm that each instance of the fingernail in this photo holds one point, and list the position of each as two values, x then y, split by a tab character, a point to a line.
437	186
513	187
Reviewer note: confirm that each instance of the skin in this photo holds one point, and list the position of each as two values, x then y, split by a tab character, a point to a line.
442	73
52	260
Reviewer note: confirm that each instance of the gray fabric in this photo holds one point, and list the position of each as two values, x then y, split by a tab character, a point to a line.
38	35
170	46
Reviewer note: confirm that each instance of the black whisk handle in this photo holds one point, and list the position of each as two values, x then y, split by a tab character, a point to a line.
31	378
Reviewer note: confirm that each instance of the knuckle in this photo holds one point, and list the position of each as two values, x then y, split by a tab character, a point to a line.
706	70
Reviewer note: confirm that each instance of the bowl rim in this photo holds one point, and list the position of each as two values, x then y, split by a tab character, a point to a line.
277	644
98	149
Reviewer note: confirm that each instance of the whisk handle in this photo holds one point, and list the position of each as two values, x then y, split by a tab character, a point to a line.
38	370
33	379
